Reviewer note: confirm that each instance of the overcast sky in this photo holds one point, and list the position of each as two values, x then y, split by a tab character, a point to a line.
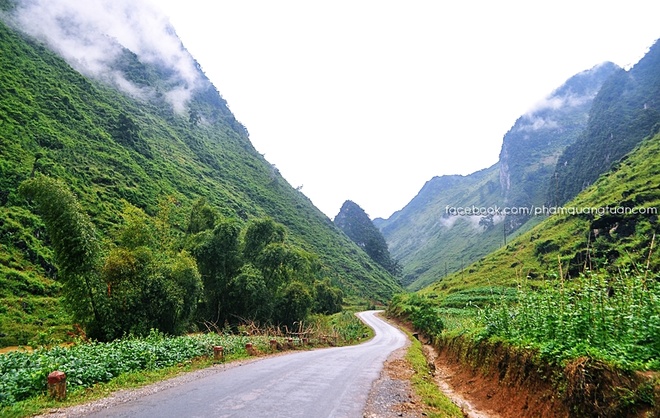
368	100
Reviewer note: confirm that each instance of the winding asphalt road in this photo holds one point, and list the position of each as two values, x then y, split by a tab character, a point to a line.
332	382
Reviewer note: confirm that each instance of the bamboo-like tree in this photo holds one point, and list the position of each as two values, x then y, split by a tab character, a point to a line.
75	244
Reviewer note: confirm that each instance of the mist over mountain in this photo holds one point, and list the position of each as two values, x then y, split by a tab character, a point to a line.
430	239
97	37
625	111
531	148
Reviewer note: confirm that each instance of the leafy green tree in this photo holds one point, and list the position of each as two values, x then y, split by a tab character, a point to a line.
252	299
149	283
294	303
128	274
258	234
281	263
202	217
329	299
182	270
219	260
142	283
75	244
137	230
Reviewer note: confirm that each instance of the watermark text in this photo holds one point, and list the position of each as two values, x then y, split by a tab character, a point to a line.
547	210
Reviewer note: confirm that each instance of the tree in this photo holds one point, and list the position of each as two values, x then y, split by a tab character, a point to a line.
150	284
281	263
294	303
328	299
202	217
258	234
75	244
251	297
142	283
219	259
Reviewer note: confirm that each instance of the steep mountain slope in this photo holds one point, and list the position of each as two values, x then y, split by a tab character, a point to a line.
532	146
430	240
612	225
115	150
625	111
427	239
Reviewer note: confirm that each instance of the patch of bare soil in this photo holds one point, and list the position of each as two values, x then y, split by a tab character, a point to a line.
480	395
484	395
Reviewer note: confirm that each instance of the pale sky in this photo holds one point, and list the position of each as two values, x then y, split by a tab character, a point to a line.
368	99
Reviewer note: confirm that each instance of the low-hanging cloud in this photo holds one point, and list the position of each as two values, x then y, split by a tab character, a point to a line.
538	118
92	34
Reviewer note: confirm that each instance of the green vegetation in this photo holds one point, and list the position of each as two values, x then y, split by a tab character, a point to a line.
135	164
425	386
612	319
148	279
583	350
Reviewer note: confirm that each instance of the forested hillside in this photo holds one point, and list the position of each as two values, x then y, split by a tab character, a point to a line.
139	161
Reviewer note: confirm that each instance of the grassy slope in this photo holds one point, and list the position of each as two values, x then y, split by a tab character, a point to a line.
573	242
78	129
422	233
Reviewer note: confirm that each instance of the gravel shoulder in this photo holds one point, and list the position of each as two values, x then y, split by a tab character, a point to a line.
392	395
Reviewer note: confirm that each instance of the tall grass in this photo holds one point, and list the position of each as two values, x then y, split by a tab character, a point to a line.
615	318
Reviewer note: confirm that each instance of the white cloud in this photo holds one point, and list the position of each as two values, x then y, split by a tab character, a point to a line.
92	34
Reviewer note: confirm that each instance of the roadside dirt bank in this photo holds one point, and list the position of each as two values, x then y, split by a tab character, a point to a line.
487	379
401	401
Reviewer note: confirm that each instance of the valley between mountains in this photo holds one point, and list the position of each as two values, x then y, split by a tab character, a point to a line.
142	235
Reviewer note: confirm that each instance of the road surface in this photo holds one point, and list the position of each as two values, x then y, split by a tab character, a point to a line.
332	382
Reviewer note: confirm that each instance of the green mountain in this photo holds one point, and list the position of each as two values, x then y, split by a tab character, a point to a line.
357	225
157	147
625	111
455	220
428	240
612	225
